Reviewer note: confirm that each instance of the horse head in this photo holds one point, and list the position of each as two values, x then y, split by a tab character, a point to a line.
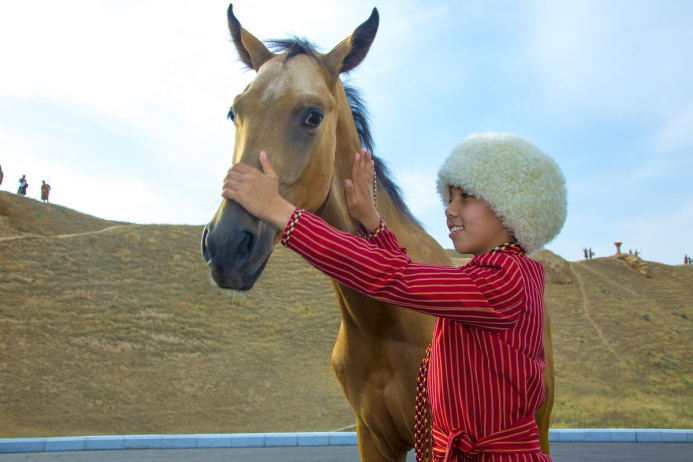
294	110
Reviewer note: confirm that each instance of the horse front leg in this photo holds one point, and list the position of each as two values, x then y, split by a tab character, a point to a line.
371	451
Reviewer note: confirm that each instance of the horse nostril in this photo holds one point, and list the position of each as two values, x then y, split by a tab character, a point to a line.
205	251
245	248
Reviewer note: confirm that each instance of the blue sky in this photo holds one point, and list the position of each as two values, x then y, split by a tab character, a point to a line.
122	104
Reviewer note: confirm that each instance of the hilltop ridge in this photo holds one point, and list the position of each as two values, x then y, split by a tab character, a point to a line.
23	215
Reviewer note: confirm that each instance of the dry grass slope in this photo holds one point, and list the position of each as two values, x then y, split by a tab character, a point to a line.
121	331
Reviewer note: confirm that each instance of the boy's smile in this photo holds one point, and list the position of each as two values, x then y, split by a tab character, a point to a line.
474	228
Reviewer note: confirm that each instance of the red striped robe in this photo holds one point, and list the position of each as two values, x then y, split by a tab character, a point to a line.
487	355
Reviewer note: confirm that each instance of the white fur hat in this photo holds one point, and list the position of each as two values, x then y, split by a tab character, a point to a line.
521	184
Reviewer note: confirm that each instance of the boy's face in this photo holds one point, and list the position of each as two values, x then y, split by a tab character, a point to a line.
474	228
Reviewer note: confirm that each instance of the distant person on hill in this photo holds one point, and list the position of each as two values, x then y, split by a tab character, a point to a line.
45	190
482	374
22	186
2	175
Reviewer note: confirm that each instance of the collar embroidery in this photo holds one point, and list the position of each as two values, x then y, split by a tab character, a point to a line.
510	247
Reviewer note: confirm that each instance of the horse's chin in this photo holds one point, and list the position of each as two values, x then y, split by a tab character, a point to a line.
241	281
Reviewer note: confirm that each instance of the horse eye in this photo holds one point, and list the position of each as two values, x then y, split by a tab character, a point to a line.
313	119
231	116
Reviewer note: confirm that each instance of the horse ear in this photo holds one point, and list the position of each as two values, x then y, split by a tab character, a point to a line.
351	51
251	50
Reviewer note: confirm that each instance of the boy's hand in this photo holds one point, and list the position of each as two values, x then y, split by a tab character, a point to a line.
258	192
359	191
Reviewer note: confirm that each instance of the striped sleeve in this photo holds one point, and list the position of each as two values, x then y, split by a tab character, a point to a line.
487	294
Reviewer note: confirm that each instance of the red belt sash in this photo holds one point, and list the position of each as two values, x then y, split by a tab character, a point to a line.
519	438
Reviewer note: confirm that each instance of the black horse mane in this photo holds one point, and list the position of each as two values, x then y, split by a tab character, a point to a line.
299	46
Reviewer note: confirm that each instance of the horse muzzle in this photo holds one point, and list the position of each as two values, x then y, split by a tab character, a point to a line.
236	246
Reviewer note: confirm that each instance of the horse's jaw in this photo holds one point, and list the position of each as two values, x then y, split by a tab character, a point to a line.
236	247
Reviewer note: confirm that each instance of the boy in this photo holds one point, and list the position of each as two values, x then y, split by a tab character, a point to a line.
504	198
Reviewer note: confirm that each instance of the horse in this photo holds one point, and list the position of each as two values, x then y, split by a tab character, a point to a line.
300	112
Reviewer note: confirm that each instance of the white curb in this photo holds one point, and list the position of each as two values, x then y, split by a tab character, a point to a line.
250	440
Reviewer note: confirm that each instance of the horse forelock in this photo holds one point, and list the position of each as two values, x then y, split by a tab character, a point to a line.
300	46
293	45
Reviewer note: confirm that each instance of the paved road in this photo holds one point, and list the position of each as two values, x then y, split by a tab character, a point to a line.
561	452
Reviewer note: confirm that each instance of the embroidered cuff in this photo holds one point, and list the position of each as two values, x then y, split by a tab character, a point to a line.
290	226
361	231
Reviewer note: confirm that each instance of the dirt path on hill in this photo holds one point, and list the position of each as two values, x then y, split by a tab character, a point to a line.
63	236
586	310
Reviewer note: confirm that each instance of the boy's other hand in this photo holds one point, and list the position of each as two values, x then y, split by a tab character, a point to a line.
359	191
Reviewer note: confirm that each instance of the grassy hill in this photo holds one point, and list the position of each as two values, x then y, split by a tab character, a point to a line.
114	328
